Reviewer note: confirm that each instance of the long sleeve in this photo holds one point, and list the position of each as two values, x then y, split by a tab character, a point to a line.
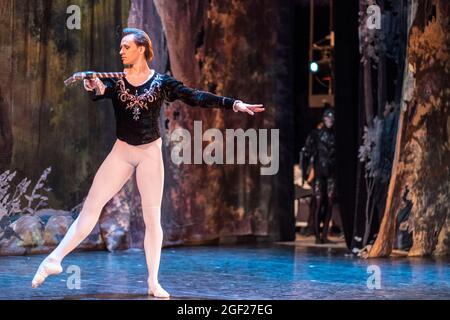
110	88
176	90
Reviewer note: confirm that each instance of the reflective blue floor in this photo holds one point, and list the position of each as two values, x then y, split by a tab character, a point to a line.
231	272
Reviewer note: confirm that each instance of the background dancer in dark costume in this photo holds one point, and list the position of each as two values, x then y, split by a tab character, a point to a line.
137	100
320	148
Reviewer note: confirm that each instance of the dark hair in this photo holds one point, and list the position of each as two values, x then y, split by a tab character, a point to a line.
141	39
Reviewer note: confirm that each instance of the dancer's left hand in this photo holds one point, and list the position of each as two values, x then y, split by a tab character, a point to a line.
249	108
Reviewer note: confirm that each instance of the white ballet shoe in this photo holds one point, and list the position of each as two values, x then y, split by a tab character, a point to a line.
46	268
158	291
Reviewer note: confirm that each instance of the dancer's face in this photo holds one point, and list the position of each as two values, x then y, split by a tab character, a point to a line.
129	51
329	121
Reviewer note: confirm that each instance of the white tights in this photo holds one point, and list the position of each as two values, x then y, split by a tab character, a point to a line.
113	173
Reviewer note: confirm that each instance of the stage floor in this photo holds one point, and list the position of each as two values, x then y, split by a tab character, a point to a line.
231	272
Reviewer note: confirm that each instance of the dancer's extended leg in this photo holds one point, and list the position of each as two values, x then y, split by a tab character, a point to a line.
109	179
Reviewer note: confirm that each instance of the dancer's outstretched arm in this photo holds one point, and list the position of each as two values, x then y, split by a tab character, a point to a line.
176	90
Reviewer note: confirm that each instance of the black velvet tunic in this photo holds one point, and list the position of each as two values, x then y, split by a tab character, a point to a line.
321	147
137	109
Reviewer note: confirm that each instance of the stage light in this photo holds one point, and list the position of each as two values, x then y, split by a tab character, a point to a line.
314	67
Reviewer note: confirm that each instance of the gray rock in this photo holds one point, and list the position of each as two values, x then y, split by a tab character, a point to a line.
11	246
29	229
56	228
46	214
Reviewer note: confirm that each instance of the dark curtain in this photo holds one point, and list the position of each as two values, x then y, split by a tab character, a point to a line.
346	100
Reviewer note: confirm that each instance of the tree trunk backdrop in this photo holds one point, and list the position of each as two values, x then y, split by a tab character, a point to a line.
382	62
421	173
